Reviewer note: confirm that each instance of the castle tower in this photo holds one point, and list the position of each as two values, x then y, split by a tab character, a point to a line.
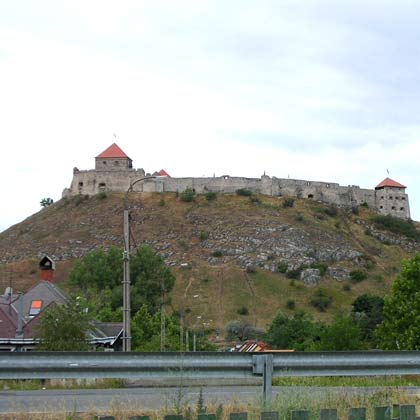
391	199
113	159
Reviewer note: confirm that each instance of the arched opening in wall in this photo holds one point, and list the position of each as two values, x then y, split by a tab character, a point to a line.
393	208
102	186
401	208
310	196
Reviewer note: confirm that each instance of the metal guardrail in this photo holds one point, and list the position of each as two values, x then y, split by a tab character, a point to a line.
45	365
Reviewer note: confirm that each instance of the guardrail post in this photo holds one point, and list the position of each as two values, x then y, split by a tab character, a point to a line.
263	366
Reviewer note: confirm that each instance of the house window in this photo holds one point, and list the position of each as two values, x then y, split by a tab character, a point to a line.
35	307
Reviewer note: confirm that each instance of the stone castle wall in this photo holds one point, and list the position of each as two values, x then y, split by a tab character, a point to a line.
392	201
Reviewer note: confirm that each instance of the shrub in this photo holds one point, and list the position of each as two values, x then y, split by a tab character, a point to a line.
357	276
321	300
254	200
321	266
288	202
355	211
211	195
243	310
187	195
290	304
162	202
244	192
282	267
331	211
204	235
102	195
346	287
397	226
299	218
365	205
294	274
217	253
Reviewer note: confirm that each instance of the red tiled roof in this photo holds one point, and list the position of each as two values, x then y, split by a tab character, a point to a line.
113	151
388	182
162	172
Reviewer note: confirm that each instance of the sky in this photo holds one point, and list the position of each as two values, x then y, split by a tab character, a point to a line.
307	89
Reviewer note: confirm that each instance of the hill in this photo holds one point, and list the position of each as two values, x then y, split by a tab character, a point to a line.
234	257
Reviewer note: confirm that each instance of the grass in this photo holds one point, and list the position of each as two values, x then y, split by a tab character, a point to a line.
353	381
37	384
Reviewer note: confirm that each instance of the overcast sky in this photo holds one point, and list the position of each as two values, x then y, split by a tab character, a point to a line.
311	89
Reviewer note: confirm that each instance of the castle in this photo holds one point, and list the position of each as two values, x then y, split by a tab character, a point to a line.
114	172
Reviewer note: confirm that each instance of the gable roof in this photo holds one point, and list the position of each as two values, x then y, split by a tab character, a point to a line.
388	182
162	172
113	151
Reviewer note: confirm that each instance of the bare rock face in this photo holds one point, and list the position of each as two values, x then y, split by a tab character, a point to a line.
338	273
310	276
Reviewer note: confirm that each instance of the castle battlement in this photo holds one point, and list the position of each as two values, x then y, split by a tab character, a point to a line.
114	172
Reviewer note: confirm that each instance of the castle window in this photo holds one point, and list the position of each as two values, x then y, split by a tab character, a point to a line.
102	186
310	196
80	184
393	208
401	208
397	198
116	163
381	207
382	197
104	162
402	198
328	185
390	197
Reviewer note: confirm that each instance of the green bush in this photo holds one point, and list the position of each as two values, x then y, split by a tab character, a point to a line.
204	235
346	287
290	304
254	200
217	253
211	195
187	195
102	195
358	276
162	202
321	266
288	202
331	211
282	267
243	310
397	226
365	205
321	300
294	274
244	192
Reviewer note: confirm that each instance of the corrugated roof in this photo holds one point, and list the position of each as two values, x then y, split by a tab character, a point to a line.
388	182
113	151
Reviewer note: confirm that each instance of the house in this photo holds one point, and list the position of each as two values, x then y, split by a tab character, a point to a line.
20	314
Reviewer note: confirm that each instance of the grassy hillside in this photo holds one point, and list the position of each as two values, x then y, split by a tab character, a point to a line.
226	253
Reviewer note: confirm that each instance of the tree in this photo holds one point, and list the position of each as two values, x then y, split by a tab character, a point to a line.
64	327
99	275
297	332
400	329
367	313
45	202
342	334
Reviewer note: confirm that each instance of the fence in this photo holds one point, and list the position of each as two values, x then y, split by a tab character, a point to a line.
45	365
396	412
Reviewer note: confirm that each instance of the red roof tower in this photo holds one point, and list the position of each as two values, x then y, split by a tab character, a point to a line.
113	159
113	151
389	183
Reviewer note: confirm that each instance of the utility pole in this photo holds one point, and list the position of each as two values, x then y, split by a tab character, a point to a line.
126	284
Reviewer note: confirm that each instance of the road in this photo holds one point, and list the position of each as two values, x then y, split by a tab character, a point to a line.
141	399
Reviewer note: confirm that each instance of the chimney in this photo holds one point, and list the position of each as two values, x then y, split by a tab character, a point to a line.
47	267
